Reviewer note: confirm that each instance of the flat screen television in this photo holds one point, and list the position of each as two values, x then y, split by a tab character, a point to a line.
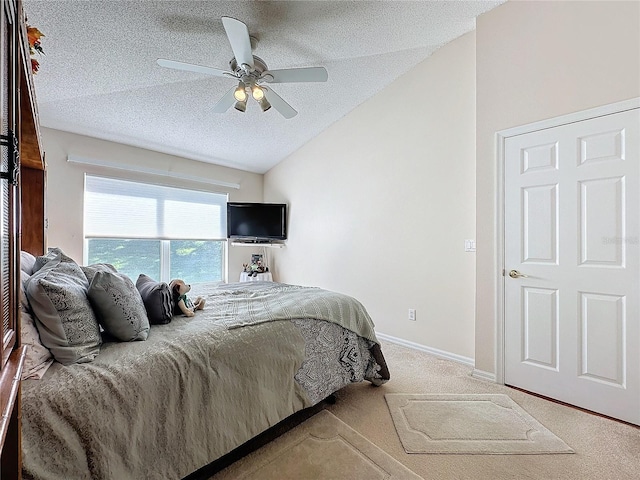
260	222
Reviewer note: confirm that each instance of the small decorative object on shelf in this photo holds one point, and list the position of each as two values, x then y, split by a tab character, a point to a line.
255	267
34	35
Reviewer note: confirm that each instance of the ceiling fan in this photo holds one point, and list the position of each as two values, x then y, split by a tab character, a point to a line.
252	73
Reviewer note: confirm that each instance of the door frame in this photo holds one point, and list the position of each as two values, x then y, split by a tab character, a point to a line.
500	139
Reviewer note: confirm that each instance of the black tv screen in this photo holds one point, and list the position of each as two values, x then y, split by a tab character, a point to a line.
257	221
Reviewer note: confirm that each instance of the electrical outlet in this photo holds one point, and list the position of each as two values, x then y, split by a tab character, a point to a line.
412	314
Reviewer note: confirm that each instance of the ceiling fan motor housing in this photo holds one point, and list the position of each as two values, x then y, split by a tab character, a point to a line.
259	67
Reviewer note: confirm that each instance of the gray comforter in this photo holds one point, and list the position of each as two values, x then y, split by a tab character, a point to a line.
198	387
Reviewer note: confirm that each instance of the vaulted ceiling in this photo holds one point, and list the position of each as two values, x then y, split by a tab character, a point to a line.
99	76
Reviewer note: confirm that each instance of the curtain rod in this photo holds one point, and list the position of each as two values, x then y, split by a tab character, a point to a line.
150	171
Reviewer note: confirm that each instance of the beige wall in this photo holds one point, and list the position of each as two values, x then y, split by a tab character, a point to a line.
533	60
382	201
65	184
538	60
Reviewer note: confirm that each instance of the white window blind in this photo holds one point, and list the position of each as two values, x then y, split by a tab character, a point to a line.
116	208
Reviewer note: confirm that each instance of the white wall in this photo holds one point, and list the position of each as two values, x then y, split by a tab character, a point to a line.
65	184
381	203
538	60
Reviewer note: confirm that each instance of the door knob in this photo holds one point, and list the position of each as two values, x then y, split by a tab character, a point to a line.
516	274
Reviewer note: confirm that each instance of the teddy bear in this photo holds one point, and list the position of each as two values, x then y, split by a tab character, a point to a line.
254	268
179	290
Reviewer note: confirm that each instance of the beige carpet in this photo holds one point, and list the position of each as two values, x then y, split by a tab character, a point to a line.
604	449
322	448
468	423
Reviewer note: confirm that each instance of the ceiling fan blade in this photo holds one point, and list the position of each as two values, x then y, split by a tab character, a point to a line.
239	39
225	102
276	101
292	75
190	67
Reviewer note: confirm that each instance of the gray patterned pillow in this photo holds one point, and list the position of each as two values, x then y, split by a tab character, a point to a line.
42	260
90	270
65	320
118	306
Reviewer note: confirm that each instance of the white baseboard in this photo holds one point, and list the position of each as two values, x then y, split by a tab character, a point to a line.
482	375
423	348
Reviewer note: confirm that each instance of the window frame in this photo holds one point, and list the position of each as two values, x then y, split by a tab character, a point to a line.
165	244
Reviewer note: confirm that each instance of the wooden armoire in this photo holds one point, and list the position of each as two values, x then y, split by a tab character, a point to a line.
22	183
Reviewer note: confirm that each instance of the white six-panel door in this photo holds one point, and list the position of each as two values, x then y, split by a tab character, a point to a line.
572	230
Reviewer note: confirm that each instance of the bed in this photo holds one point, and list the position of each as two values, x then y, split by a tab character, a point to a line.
197	387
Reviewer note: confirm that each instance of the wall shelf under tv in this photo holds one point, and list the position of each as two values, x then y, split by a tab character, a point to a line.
251	243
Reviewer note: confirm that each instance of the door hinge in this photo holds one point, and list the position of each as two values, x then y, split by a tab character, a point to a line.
11	142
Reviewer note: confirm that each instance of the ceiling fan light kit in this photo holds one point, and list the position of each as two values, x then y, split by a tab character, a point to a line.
240	93
251	72
257	93
264	104
241	106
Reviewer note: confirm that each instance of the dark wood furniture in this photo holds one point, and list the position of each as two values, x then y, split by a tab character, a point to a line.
22	182
32	162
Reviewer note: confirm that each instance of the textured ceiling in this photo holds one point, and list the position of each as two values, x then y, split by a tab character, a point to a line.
99	75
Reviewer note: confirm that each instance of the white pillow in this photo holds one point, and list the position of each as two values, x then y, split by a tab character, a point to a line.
24	302
27	261
38	358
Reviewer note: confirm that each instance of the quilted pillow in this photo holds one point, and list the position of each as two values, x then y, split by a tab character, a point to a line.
118	306
157	300
65	320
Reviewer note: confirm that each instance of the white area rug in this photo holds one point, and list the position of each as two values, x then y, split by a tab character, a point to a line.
469	424
322	448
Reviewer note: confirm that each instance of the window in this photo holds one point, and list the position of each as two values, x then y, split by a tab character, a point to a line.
163	232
